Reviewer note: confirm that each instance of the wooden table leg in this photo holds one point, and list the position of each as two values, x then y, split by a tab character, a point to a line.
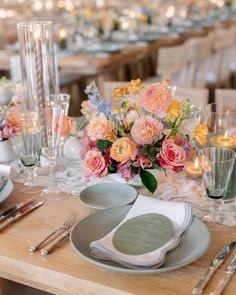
2	283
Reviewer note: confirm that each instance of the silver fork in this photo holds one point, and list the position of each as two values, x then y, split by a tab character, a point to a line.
66	225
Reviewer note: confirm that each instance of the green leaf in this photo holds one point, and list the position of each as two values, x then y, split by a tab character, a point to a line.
102	145
144	149
148	180
135	169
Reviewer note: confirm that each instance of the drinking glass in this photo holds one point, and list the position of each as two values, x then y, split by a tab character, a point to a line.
53	118
27	145
63	100
217	128
217	166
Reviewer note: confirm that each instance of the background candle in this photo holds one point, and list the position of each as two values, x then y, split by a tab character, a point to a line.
223	141
193	169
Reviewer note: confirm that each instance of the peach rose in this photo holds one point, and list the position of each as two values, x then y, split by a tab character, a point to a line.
156	98
87	109
172	156
94	164
99	127
145	130
123	149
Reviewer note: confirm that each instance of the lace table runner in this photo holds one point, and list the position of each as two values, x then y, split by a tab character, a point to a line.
176	186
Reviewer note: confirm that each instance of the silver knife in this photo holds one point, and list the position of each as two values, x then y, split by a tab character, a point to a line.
228	273
216	262
24	210
13	209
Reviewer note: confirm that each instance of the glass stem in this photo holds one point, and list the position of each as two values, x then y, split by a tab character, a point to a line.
31	173
215	209
52	174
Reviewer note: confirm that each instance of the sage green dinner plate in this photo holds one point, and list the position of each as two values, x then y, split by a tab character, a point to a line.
106	195
194	242
6	190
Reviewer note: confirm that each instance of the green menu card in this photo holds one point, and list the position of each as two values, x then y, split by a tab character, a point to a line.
143	234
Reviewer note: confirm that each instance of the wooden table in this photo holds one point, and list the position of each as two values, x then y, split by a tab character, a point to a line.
66	272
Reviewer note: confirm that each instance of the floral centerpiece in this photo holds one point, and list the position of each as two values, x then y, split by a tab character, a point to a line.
140	129
5	132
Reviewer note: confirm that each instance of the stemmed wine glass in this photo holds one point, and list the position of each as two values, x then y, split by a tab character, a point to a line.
50	139
217	166
27	145
217	128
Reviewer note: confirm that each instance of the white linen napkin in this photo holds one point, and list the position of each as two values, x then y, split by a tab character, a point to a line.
10	169
179	213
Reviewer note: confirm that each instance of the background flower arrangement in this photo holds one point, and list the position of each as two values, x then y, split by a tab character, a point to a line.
140	129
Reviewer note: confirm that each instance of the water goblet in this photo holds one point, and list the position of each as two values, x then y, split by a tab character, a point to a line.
27	146
217	166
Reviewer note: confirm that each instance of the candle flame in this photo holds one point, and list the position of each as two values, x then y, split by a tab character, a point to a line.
196	163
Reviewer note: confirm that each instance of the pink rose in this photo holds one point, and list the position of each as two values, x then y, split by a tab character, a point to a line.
95	164
145	130
172	156
144	162
86	143
156	98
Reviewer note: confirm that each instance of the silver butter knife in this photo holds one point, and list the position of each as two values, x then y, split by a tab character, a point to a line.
6	213
216	262
228	274
20	214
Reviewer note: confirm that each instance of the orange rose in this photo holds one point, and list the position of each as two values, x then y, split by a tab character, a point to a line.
123	149
66	126
200	133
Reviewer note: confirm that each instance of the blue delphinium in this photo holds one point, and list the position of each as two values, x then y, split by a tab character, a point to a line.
97	101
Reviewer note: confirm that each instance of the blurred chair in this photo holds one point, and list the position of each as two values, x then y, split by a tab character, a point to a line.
197	96
199	54
233	58
172	64
226	97
223	42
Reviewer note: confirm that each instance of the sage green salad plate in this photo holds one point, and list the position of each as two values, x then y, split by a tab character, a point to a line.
6	190
192	245
106	195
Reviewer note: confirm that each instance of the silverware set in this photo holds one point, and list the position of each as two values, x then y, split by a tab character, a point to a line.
17	211
59	234
215	264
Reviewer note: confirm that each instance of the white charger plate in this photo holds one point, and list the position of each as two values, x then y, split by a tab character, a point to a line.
192	246
6	190
106	195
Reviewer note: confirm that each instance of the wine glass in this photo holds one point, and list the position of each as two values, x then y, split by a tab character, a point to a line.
217	128
50	138
27	146
217	166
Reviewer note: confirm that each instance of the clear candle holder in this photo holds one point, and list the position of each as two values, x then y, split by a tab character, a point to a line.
39	81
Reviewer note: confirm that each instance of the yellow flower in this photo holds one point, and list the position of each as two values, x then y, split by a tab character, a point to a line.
174	109
135	86
200	133
119	92
123	149
115	110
